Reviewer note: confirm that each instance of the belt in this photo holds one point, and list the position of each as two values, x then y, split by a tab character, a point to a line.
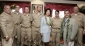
80	27
17	24
24	27
56	28
35	26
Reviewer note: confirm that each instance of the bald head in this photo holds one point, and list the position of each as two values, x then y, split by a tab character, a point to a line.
7	9
76	9
17	8
39	8
26	9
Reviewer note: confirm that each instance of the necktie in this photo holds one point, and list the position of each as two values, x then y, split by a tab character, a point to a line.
65	21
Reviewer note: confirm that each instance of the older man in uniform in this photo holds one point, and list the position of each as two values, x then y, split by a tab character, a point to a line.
81	23
7	27
36	17
16	15
26	28
56	26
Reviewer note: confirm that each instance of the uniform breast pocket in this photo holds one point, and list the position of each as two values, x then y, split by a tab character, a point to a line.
79	18
7	21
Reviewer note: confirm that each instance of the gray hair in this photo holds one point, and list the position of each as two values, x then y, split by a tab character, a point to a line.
6	6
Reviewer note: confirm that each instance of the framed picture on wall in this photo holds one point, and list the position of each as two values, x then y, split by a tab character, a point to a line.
34	7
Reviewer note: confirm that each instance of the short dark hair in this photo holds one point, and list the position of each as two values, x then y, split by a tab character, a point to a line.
76	6
49	10
26	6
66	10
16	5
57	11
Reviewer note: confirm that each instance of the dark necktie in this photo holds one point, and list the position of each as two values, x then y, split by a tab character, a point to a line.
65	21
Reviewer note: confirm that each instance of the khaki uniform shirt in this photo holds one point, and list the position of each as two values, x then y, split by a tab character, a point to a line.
36	18
16	17
56	22
80	18
7	25
26	20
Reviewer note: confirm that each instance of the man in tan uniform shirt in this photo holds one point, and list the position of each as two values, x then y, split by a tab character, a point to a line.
56	26
7	27
26	28
16	15
81	23
36	17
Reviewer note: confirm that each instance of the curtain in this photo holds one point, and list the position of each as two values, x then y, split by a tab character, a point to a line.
60	6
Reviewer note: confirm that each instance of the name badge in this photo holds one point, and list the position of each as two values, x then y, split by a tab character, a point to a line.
80	17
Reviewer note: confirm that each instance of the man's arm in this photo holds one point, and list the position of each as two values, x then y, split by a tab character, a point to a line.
74	29
3	22
84	25
41	26
84	22
3	25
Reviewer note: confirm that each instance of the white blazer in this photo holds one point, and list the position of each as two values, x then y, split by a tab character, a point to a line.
44	28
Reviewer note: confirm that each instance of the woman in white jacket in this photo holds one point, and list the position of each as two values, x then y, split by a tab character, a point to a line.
45	29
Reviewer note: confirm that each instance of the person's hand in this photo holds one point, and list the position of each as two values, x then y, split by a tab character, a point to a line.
71	40
16	37
51	39
7	38
41	34
83	32
26	37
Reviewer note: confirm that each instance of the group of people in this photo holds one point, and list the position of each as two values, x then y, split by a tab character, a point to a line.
38	29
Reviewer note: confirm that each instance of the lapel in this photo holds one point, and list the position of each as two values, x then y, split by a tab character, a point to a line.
9	16
65	23
38	14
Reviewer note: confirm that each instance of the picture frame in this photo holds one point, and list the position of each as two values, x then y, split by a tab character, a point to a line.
34	7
